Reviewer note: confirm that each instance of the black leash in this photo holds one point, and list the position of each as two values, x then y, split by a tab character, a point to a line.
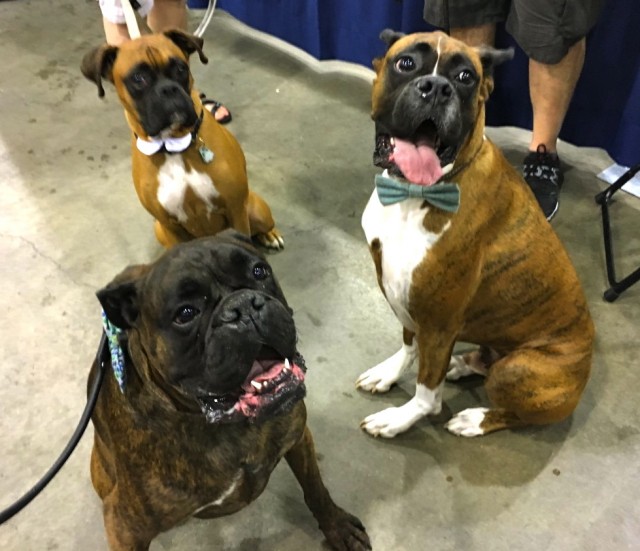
101	357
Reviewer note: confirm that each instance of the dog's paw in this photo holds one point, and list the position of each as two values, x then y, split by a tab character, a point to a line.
271	240
463	365
381	377
376	379
345	532
387	423
467	422
458	368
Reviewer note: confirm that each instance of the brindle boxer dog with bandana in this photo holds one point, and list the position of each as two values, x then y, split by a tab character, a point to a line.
188	170
463	252
210	397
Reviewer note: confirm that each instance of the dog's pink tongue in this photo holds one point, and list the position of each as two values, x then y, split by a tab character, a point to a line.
419	164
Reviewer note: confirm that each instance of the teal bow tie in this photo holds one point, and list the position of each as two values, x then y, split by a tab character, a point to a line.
444	196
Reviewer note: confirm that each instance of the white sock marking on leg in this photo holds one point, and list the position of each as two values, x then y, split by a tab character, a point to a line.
391	421
380	377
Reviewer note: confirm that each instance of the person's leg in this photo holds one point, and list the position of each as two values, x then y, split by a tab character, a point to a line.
167	14
551	88
115	33
475	36
552	34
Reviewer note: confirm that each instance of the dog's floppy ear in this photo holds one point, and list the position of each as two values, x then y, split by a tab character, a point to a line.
119	299
389	36
98	64
491	58
188	43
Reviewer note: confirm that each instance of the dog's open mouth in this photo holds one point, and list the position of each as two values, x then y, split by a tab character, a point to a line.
272	387
422	160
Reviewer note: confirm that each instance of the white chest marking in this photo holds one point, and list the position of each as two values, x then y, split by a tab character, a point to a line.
404	244
224	495
173	181
435	68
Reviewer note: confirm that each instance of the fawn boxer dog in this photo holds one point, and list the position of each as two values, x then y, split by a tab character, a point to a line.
210	398
188	170
462	251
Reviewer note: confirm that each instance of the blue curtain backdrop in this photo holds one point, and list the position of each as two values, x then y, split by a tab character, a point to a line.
605	111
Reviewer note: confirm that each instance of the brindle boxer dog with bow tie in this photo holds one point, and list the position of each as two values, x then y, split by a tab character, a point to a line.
209	399
462	251
188	170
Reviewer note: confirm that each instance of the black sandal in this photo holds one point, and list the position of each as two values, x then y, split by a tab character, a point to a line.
215	105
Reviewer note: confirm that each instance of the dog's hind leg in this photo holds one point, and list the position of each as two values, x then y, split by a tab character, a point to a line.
167	237
527	387
342	530
478	421
381	377
262	223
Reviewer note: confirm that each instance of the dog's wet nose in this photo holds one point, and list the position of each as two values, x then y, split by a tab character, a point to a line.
169	90
258	301
434	87
241	306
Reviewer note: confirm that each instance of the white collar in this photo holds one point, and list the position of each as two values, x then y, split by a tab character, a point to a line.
172	145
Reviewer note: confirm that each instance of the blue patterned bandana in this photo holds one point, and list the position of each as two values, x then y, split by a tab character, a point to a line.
117	355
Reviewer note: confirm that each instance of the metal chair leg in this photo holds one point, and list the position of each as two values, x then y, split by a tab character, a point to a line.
603	198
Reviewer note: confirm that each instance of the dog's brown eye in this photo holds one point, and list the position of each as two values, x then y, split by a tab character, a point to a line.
464	76
261	271
139	79
186	314
405	64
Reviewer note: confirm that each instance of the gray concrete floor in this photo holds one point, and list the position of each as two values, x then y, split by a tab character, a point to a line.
70	220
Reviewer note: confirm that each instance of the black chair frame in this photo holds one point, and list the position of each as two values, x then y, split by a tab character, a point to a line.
603	199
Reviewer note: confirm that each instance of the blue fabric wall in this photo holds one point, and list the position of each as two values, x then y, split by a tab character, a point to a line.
605	111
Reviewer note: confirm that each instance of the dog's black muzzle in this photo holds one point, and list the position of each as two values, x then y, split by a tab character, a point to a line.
245	325
167	106
434	90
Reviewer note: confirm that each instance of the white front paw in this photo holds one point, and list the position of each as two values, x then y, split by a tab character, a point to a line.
377	379
380	377
386	423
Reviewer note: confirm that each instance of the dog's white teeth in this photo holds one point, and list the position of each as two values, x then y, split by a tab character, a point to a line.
392	141
256	385
287	366
447	169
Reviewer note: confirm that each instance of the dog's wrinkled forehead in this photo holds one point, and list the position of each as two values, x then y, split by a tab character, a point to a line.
155	51
225	263
436	48
220	258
